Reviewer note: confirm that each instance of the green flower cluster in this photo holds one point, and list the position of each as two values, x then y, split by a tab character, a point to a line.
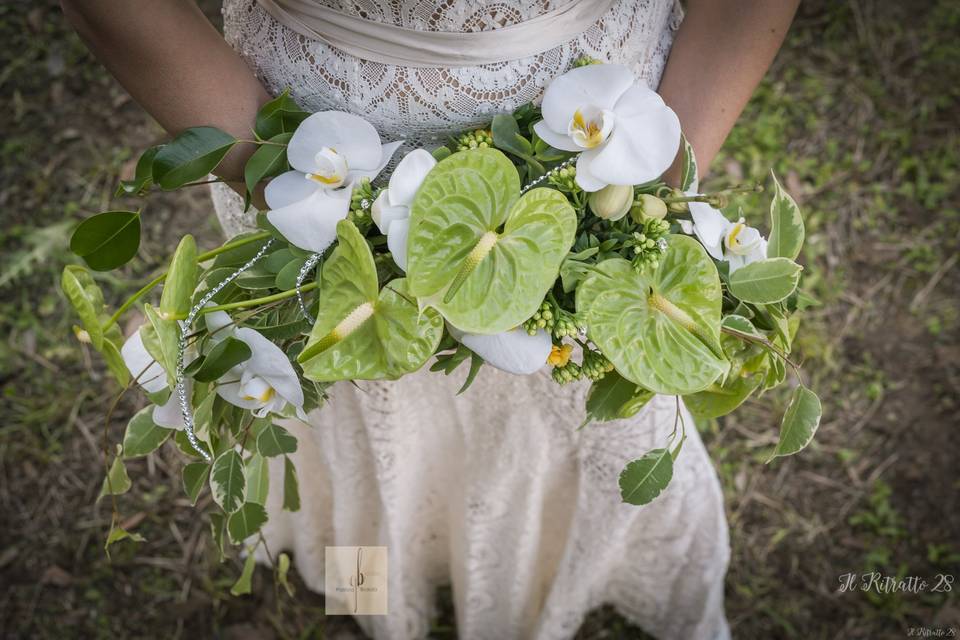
565	179
567	373
558	322
648	244
360	215
595	364
584	61
477	139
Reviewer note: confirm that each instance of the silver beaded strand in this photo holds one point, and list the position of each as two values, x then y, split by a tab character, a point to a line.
181	386
301	276
565	163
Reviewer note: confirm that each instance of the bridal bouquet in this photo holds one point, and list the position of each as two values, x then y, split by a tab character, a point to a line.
546	239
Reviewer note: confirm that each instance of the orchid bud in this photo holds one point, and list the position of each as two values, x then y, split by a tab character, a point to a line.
612	202
677	207
647	207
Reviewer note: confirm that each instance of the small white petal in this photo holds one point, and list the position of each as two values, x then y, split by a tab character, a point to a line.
383	213
555	139
217	324
409	175
231	392
311	224
387	152
599	85
287	188
397	241
709	225
513	351
140	363
585	178
269	362
169	415
350	135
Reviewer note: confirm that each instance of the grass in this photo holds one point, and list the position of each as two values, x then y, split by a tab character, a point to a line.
858	116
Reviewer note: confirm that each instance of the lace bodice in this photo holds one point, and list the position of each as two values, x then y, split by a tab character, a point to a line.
424	106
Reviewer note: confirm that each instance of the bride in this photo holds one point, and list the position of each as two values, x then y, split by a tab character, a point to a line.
495	491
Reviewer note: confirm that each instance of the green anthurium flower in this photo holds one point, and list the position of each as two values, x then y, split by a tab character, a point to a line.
363	333
477	251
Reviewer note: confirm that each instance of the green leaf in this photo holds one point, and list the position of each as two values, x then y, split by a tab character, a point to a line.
688	171
274	440
175	301
280	115
362	333
506	136
660	329
240	254
142	435
107	240
244	583
613	396
799	424
283	569
218	528
786	225
226	480
193	154
225	355
287	276
267	161
275	261
117	534
741	325
719	400
291	487
258	479
194	477
256	278
643	479
143	176
160	337
87	300
246	521
117	481
765	281
480	279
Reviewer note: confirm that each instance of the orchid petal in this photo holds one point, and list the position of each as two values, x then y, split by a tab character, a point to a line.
169	415
217	323
383	213
585	178
350	135
397	241
709	225
555	139
387	152
150	375
513	351
599	85
232	393
311	223
287	188
409	175
644	142
269	362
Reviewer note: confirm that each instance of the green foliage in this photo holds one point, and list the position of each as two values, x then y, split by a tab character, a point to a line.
246	521
225	354
786	224
142	435
227	481
291	486
181	281
257	478
194	478
765	281
107	240
267	161
643	479
274	440
193	154
614	397
244	585
688	170
117	481
800	422
278	116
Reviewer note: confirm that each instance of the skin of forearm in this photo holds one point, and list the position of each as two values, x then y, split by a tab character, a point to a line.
719	55
175	64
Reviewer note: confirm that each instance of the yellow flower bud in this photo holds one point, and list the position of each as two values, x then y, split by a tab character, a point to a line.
612	202
648	207
559	356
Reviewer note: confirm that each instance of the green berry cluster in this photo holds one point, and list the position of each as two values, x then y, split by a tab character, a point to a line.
477	139
558	322
595	364
567	373
648	244
360	215
565	179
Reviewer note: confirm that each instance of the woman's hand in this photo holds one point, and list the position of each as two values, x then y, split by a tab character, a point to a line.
176	65
719	55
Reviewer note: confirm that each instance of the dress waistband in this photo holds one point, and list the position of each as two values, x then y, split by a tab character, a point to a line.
391	44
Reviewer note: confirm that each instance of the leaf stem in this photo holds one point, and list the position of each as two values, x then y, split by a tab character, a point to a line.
242	304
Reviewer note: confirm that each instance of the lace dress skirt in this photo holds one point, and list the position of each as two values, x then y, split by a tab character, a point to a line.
494	492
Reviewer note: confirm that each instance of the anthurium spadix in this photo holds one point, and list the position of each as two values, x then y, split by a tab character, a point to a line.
480	253
329	152
624	132
391	209
362	332
514	351
660	328
733	242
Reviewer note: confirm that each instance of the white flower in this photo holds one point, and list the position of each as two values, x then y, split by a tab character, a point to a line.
733	242
626	134
391	209
151	376
329	152
514	351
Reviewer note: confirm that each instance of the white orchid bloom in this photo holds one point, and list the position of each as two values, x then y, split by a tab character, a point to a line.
264	383
391	209
514	351
623	129
733	242
151	376
329	152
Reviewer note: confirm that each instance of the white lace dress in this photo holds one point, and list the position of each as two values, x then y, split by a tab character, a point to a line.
494	492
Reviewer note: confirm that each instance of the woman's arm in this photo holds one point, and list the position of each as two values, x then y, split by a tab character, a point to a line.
175	64
720	54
